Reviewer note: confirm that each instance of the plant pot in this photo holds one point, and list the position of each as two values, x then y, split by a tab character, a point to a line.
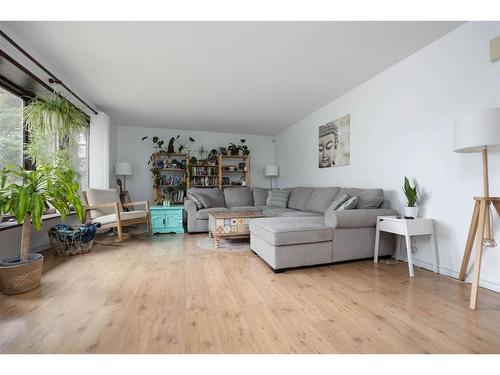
411	212
16	277
235	152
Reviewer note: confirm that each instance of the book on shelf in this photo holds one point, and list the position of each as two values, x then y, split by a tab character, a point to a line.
203	171
172	180
203	181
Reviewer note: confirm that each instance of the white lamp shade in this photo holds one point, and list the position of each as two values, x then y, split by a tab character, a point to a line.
124	169
271	171
475	131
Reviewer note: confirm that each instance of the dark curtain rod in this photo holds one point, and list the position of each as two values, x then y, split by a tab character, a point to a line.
53	78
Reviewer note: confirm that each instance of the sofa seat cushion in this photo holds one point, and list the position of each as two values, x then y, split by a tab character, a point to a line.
247	208
273	211
297	213
238	196
291	230
127	215
321	198
203	213
299	196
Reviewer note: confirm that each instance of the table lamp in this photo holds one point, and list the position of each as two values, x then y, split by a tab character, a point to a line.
271	171
478	132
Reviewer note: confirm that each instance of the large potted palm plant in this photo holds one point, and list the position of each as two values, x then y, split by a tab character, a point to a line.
25	194
53	124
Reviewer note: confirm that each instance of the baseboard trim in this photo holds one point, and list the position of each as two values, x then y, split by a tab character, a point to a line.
419	262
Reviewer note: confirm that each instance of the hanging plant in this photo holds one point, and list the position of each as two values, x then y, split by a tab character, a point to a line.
54	124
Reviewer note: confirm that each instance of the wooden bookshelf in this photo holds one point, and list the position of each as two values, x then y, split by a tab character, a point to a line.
241	174
177	172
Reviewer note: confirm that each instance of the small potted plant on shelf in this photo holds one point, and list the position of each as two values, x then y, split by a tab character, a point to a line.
212	156
25	195
411	210
233	149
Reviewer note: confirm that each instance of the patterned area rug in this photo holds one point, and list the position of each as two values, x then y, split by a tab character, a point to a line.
226	245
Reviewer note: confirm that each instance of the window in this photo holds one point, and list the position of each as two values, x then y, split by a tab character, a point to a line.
11	129
82	158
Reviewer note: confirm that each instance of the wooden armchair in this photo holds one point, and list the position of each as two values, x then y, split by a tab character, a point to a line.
104	207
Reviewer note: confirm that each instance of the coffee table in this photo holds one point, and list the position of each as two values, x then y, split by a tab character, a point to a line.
232	224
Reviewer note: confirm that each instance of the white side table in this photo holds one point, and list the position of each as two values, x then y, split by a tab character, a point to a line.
407	228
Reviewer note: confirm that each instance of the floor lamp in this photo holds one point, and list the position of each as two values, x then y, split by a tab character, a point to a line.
478	132
271	171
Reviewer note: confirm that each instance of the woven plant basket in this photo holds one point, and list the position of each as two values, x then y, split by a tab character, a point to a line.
70	241
21	278
68	247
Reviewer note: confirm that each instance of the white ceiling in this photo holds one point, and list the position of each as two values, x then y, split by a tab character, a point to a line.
243	77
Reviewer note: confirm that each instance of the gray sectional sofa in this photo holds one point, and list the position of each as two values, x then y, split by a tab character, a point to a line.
307	231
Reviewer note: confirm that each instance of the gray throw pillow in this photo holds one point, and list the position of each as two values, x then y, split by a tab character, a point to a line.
238	196
279	198
195	199
259	196
338	201
205	200
349	204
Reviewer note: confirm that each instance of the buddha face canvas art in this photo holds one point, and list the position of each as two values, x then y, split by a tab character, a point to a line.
334	143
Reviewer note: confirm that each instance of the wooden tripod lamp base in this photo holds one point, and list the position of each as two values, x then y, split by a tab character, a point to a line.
480	230
478	132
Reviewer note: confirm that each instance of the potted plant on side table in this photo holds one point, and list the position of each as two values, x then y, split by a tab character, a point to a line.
411	210
25	198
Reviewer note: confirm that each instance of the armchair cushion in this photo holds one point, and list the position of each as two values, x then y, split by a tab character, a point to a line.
96	197
127	215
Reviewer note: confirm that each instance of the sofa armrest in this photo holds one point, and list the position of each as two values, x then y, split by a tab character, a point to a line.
361	218
190	206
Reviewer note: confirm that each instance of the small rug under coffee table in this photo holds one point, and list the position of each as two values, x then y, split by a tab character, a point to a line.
227	245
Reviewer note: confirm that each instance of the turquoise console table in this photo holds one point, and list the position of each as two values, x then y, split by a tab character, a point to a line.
167	219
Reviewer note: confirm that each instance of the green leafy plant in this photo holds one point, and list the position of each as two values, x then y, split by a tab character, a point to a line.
54	124
234	149
25	195
182	144
410	193
213	155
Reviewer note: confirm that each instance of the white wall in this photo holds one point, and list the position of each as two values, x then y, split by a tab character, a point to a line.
401	124
129	147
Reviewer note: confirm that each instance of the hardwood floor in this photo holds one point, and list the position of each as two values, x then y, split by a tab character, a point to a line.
167	295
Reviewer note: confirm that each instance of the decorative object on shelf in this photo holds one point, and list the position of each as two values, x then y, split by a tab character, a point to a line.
26	200
411	210
271	171
66	240
223	150
202	153
478	132
167	219
334	143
